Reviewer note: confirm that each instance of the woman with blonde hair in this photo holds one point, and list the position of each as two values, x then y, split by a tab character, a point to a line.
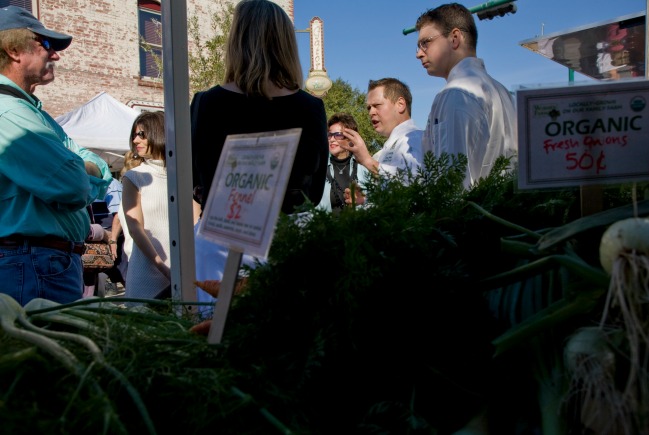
262	92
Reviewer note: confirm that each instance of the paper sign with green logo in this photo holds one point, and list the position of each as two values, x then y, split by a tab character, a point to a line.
248	189
583	135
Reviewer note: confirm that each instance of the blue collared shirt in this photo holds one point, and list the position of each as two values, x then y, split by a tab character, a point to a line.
44	187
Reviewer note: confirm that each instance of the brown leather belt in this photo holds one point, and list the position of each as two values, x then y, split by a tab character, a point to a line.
44	242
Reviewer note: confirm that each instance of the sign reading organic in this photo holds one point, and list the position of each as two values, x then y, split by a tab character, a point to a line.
583	135
248	189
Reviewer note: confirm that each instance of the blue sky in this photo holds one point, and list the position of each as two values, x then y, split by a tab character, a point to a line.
363	40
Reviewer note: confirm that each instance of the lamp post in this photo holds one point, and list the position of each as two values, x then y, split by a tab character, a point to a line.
318	82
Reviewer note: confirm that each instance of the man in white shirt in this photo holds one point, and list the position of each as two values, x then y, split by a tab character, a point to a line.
389	104
473	114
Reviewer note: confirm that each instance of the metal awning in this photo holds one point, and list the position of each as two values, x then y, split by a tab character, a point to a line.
607	50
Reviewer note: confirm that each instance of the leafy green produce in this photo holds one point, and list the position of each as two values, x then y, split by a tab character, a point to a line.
411	315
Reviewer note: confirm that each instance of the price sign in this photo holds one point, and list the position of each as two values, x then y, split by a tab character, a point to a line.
248	189
583	135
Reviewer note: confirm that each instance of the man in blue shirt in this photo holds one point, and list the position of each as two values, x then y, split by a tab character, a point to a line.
105	213
44	183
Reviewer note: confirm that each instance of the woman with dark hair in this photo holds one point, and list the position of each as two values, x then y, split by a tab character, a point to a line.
343	169
146	209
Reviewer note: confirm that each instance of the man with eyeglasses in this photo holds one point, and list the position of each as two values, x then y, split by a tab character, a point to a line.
473	114
45	184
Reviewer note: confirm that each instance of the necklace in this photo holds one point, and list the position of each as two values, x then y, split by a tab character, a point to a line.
336	162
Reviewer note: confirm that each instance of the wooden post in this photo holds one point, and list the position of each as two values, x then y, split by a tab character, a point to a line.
222	304
591	199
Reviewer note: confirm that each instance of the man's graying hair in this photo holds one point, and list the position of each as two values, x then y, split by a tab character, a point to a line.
448	17
392	90
18	39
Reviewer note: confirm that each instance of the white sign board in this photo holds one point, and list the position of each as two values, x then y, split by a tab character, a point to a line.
583	135
248	189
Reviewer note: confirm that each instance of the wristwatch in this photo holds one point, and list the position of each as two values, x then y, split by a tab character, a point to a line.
112	242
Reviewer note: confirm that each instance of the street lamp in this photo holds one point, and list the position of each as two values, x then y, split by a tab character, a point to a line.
318	82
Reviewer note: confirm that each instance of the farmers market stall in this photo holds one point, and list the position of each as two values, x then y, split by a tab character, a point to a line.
102	125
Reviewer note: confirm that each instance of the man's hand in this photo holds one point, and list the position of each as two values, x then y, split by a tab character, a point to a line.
359	149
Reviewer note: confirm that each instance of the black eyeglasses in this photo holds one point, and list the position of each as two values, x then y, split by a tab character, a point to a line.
140	134
45	43
336	135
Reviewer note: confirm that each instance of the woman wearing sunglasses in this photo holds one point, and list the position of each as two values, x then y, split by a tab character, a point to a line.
146	209
343	169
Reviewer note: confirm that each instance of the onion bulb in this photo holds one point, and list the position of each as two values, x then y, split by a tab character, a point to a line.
627	235
591	364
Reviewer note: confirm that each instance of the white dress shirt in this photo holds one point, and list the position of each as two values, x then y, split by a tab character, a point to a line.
472	115
402	150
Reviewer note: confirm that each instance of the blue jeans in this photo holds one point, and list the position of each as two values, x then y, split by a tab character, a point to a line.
28	272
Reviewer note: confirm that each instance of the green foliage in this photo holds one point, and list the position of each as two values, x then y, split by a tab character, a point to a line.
383	305
207	59
343	98
370	321
375	307
176	374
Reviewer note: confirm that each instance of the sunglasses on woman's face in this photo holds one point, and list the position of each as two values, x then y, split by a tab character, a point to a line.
336	135
141	134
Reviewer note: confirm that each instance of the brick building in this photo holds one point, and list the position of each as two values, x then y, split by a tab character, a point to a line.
106	54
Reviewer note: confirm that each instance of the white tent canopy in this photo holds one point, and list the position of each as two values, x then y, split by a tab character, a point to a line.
102	125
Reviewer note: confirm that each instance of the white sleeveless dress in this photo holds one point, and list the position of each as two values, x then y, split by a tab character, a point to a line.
143	279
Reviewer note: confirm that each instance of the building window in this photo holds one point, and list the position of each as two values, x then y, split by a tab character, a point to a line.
150	38
30	5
